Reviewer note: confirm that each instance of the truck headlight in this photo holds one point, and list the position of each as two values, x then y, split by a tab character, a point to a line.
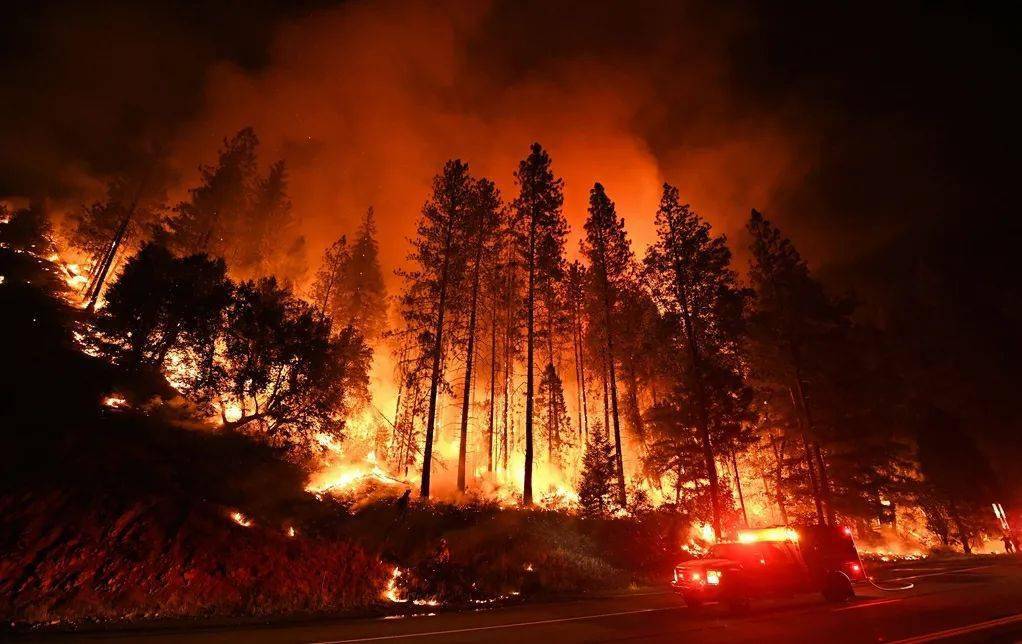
713	577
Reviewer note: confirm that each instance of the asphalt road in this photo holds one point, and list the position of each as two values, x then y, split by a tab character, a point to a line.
964	600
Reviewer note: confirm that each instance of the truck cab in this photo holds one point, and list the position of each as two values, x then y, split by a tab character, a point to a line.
772	562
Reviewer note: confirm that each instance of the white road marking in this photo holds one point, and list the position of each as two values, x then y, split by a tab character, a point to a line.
962	630
500	626
937	574
867	604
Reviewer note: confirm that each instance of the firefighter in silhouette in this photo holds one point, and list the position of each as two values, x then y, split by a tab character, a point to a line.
1009	543
443	553
402	504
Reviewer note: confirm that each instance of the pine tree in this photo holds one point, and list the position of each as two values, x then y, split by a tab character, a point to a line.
482	223
596	494
556	422
328	279
439	255
574	295
790	326
689	273
674	446
117	226
268	225
541	230
203	223
363	296
610	258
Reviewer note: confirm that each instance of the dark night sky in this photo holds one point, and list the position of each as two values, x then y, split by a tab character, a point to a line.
906	116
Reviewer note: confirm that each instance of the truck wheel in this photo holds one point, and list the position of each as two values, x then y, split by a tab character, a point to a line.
837	587
692	601
735	594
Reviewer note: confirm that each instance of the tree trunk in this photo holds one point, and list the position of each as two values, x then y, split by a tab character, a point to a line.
434	383
581	381
738	486
606	398
823	488
618	457
531	342
702	415
824	483
108	259
812	479
634	410
779	480
463	440
963	534
493	386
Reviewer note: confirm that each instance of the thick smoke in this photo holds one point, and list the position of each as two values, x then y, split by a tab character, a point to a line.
366	101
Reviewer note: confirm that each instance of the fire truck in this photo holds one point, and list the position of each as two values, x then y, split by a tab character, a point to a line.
778	561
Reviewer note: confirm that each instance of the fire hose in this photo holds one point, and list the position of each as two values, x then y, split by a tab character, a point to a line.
872	583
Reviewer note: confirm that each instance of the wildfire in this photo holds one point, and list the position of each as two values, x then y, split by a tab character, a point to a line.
241	519
700	538
115	401
345	477
391	592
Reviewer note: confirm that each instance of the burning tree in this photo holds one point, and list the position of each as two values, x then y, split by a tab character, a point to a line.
556	422
482	223
326	287
596	494
261	228
238	215
106	229
205	223
796	332
439	253
611	262
540	229
674	448
285	370
690	276
162	303
364	297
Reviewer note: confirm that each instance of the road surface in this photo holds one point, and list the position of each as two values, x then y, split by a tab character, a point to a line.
963	600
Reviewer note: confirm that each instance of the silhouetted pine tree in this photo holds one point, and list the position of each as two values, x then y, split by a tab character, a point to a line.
481	223
792	332
596	494
203	223
540	231
363	297
689	273
439	254
609	252
556	422
327	286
